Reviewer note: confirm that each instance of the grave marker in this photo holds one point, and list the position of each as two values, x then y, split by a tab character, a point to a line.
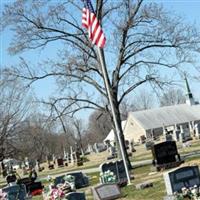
106	192
75	196
60	162
15	192
182	177
165	155
117	167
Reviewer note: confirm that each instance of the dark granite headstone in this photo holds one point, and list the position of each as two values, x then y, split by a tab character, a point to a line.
15	192
80	179
165	155
51	166
75	196
79	160
106	192
59	180
60	162
182	177
117	167
11	178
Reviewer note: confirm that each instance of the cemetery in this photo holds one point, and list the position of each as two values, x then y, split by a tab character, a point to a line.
95	101
109	181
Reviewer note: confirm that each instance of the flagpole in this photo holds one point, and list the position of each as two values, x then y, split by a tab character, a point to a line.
105	76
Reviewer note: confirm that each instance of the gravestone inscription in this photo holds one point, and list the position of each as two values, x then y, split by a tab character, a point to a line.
182	177
106	192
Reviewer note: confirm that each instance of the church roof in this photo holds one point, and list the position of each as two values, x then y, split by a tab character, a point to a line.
167	116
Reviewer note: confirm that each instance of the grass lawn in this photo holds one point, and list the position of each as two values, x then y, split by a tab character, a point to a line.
130	192
140	174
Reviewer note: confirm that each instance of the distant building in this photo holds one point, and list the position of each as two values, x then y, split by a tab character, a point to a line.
111	136
154	122
150	123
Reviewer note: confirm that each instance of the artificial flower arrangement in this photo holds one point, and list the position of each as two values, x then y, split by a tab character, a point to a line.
108	177
192	193
58	192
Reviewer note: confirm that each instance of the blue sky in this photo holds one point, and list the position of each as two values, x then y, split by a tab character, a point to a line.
188	9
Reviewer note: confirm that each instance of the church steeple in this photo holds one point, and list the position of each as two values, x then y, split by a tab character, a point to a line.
189	97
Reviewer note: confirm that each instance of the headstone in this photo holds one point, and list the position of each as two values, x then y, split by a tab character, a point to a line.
132	149
182	177
60	162
176	135
65	154
90	149
197	130
165	155
59	180
51	166
11	178
168	137
99	147
27	162
54	159
75	196
117	167
81	180
79	160
49	159
112	151
82	152
67	157
106	192
149	144
15	192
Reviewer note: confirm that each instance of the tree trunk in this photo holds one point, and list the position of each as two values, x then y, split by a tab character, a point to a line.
118	117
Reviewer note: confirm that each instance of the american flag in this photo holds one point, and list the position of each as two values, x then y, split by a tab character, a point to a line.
90	22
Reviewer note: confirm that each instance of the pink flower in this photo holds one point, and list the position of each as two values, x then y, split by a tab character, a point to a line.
56	194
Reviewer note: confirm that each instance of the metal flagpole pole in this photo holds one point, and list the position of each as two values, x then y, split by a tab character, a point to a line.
105	76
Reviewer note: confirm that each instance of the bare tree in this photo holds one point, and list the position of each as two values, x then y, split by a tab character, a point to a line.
141	37
99	126
172	96
14	105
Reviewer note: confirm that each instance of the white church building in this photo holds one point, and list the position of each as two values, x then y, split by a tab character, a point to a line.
151	123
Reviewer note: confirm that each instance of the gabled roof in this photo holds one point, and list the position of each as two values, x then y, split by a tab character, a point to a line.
167	116
111	135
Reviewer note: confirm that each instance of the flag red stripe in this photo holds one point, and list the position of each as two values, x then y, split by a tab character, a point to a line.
90	22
